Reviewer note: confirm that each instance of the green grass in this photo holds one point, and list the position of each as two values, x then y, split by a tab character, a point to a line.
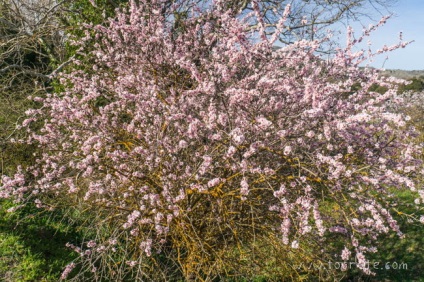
404	257
32	245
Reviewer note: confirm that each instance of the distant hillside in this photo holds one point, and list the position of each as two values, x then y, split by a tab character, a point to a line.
404	74
415	79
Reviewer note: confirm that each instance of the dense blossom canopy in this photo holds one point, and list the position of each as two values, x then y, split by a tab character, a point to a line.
197	122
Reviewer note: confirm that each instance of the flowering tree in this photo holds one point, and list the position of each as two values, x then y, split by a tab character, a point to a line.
197	147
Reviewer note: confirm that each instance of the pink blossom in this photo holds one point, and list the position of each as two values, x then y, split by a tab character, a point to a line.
244	190
345	254
287	150
67	271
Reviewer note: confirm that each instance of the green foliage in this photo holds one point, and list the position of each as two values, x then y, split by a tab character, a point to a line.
82	12
378	88
78	13
415	85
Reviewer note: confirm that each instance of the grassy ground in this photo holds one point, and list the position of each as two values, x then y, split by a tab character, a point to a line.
32	245
399	259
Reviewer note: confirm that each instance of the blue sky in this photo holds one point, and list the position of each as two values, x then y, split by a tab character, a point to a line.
408	18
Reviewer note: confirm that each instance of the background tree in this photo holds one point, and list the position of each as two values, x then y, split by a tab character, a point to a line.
310	19
29	44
